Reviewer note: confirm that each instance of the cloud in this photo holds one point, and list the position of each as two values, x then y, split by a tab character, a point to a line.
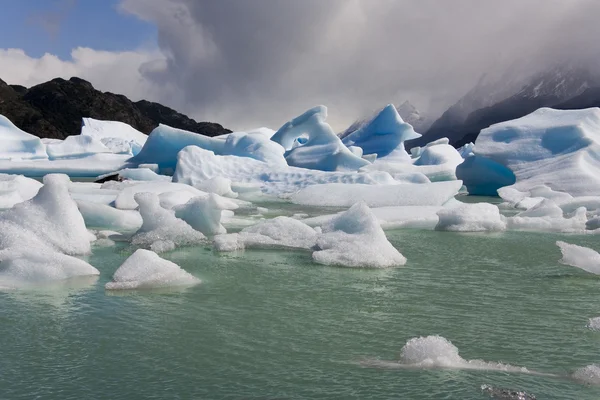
128	72
259	63
263	61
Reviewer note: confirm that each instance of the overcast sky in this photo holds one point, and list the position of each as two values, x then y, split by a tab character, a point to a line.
247	63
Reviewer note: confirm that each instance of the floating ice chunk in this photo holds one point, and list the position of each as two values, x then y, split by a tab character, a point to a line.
165	142
590	203
279	232
593	223
17	144
112	129
345	195
355	239
439	352
594	323
580	257
218	185
161	225
75	147
120	146
204	213
479	217
144	269
88	166
383	134
484	177
51	217
558	148
467	150
546	216
323	150
101	216
24	267
589	374
506	394
16	189
422	217
254	145
197	165
125	200
431	351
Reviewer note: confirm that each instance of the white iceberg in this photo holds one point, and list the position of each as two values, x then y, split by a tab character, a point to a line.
17	144
114	135
323	150
16	189
144	269
279	232
196	165
75	147
478	217
164	143
101	216
580	257
161	229
203	213
345	195
355	239
557	148
383	135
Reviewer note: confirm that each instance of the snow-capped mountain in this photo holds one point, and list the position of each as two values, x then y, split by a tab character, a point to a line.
510	97
411	115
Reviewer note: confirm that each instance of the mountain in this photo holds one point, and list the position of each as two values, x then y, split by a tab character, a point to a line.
410	114
54	109
546	89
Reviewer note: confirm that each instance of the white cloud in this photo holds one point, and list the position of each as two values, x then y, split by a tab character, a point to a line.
119	72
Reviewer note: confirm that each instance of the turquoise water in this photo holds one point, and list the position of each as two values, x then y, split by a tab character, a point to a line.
273	325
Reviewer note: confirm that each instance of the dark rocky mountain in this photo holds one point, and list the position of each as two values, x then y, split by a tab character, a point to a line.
548	89
54	109
589	98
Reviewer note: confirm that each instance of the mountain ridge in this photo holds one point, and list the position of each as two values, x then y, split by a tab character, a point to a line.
54	109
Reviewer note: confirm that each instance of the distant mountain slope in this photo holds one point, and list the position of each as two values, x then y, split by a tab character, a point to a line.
547	89
54	109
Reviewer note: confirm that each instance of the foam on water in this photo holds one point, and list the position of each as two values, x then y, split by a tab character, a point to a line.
589	374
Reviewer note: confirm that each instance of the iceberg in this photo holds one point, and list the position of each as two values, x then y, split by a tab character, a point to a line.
196	165
557	148
478	217
345	195
101	216
88	166
204	213
51	225
437	161
355	239
17	144
144	269
323	150
16	189
383	135
75	147
126	198
279	232
580	257
117	136
164	143
547	216
161	230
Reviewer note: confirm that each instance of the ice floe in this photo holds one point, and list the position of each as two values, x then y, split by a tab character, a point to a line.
144	269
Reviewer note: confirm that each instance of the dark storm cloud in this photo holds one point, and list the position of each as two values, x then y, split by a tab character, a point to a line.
260	62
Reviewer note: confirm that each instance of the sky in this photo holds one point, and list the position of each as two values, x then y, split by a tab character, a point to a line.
251	63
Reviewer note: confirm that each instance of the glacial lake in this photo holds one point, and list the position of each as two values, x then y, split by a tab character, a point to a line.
274	325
